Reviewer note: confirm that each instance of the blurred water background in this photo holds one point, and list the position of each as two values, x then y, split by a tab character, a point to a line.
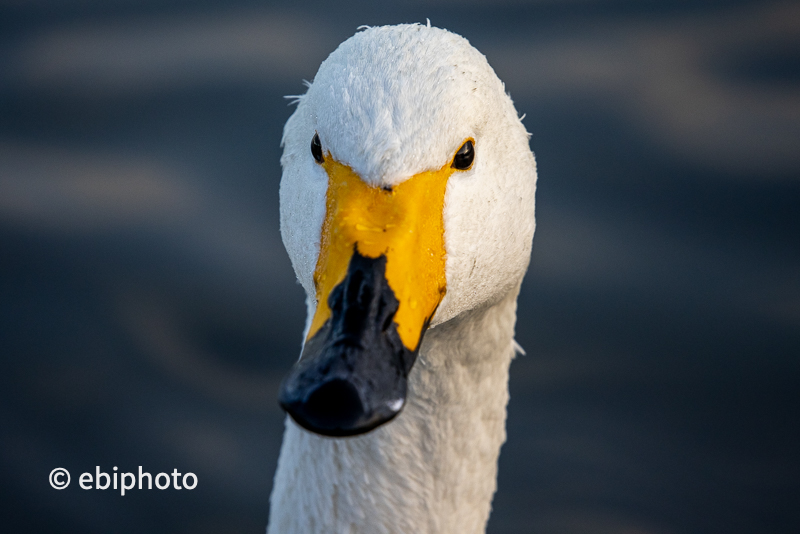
148	310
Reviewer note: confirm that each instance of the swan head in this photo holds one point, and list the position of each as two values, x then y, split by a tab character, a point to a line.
407	200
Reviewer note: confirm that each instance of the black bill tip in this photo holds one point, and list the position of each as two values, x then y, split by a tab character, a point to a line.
352	375
335	409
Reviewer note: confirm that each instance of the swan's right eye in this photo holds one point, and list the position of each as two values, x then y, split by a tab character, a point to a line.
316	149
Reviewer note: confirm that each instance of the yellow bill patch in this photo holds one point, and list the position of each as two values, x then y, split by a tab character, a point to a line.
404	224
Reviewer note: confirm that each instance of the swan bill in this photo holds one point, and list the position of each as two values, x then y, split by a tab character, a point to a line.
404	223
379	278
352	374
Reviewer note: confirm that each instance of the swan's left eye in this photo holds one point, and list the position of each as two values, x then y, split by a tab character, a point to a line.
463	158
316	149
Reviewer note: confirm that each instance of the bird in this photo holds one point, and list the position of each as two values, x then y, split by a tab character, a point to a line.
407	210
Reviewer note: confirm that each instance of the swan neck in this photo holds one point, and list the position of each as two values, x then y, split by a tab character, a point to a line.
433	468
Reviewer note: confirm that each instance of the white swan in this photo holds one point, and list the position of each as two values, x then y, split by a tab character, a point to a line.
407	208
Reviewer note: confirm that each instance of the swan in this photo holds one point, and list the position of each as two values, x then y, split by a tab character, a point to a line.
407	209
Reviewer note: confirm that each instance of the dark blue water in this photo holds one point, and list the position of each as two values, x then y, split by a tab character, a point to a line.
148	310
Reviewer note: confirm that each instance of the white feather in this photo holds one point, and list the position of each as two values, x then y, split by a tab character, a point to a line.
392	102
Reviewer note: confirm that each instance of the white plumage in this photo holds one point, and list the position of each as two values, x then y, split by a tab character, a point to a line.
391	102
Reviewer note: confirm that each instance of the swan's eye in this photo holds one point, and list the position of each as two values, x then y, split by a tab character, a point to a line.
316	149
463	159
